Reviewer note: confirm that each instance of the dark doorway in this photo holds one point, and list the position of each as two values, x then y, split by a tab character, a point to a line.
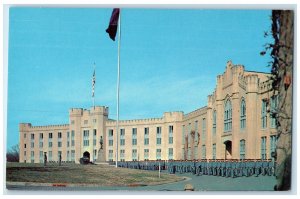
228	149
86	155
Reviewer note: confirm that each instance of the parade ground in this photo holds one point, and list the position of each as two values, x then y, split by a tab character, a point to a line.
109	178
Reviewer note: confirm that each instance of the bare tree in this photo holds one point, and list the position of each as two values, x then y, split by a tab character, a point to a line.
282	72
12	154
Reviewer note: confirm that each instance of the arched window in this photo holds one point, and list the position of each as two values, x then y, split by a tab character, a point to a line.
214	122
242	149
243	114
228	116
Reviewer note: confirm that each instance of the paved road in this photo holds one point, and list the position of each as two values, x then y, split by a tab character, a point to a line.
200	183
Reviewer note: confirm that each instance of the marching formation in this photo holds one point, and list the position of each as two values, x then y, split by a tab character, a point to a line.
220	167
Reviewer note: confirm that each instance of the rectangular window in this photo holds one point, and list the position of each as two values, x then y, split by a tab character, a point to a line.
68	155
59	144
110	155
195	152
41	157
158	135
68	134
122	137
203	152
264	114
273	143
68	143
24	135
274	104
41	144
214	130
41	136
32	156
263	148
183	134
50	135
86	138
196	131
94	137
72	143
73	134
32	145
72	138
146	136
158	154
170	154
122	155
203	128
134	155
95	155
50	144
146	154
170	134
134	136
214	151
25	146
50	155
110	137
59	135
72	155
242	149
32	136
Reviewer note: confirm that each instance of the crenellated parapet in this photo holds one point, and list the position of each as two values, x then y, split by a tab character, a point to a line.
29	127
135	122
195	113
265	86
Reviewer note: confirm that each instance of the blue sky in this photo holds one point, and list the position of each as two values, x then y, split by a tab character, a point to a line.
169	60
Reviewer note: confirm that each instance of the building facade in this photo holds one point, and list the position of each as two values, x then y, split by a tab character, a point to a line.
237	123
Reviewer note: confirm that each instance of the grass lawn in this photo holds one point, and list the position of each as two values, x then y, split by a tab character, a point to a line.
100	175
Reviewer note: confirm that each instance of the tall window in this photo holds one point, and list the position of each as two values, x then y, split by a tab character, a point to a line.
41	140
158	135
263	148
50	135
228	116
94	137
146	154
274	104
134	155
203	152
41	157
273	143
242	149
214	151
110	155
170	154
203	128
32	141
50	155
183	134
196	131
32	156
158	154
243	114
72	155
59	142
122	154
86	138
264	114
171	134
72	138
214	130
134	136
146	136
122	137
110	137
95	154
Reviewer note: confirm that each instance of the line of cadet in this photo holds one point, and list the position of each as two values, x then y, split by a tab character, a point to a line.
217	167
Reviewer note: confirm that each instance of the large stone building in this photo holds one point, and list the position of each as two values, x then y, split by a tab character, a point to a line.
235	124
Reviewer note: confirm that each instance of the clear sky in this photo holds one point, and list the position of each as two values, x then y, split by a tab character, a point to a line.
169	60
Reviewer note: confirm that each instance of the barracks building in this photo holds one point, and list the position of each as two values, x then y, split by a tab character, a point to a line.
237	123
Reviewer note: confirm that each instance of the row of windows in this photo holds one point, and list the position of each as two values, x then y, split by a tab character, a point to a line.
50	135
50	155
135	154
134	136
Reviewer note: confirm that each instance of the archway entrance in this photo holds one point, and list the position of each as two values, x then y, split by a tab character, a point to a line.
86	155
228	149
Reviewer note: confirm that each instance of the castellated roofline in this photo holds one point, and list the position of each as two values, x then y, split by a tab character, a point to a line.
28	127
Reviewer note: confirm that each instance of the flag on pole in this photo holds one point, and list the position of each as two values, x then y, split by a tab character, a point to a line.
113	24
93	83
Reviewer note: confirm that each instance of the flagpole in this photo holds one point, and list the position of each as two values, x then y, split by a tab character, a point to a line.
94	86
118	86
